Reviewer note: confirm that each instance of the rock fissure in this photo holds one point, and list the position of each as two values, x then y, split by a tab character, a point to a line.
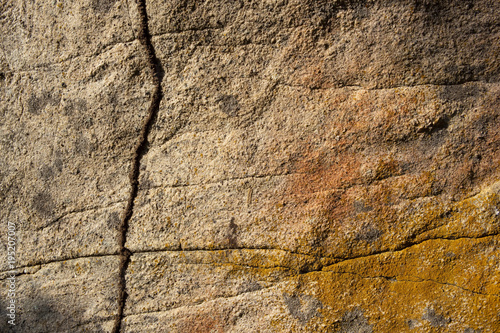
452	285
223	180
222	264
319	269
342	259
417	280
76	211
356	88
68	59
154	65
407	246
97	255
195	166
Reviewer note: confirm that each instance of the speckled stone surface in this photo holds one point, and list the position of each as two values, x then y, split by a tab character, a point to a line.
313	166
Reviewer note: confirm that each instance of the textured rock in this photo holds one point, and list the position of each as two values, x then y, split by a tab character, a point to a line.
74	91
313	166
72	295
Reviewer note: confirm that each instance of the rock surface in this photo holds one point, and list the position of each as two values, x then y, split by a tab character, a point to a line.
313	166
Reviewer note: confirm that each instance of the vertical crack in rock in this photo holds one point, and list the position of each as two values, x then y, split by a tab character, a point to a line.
145	39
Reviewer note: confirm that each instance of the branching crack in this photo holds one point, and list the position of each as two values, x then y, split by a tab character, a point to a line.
154	65
319	267
415	280
310	269
402	247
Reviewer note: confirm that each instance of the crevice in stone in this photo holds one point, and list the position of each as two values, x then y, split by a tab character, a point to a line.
234	179
319	268
155	67
400	248
68	59
76	211
62	259
417	280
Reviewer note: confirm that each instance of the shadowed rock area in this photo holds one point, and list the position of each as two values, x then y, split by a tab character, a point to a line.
251	166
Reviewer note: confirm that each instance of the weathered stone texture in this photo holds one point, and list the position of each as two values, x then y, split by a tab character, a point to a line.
78	295
314	166
74	89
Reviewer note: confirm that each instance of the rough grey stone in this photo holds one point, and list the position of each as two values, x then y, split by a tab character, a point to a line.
307	166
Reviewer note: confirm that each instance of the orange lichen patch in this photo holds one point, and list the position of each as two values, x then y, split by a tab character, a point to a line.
320	171
388	214
439	285
313	196
474	217
406	306
383	168
440	261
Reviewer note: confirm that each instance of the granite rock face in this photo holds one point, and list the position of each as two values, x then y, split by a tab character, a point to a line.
310	166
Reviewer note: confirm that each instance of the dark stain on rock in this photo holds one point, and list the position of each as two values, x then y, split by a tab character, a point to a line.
457	93
303	307
42	312
4	326
114	220
37	103
102	6
463	72
361	207
58	164
471	330
232	234
433	10
83	146
354	321
46	172
43	204
436	320
150	319
145	183
441	123
229	105
75	105
368	234
248	286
